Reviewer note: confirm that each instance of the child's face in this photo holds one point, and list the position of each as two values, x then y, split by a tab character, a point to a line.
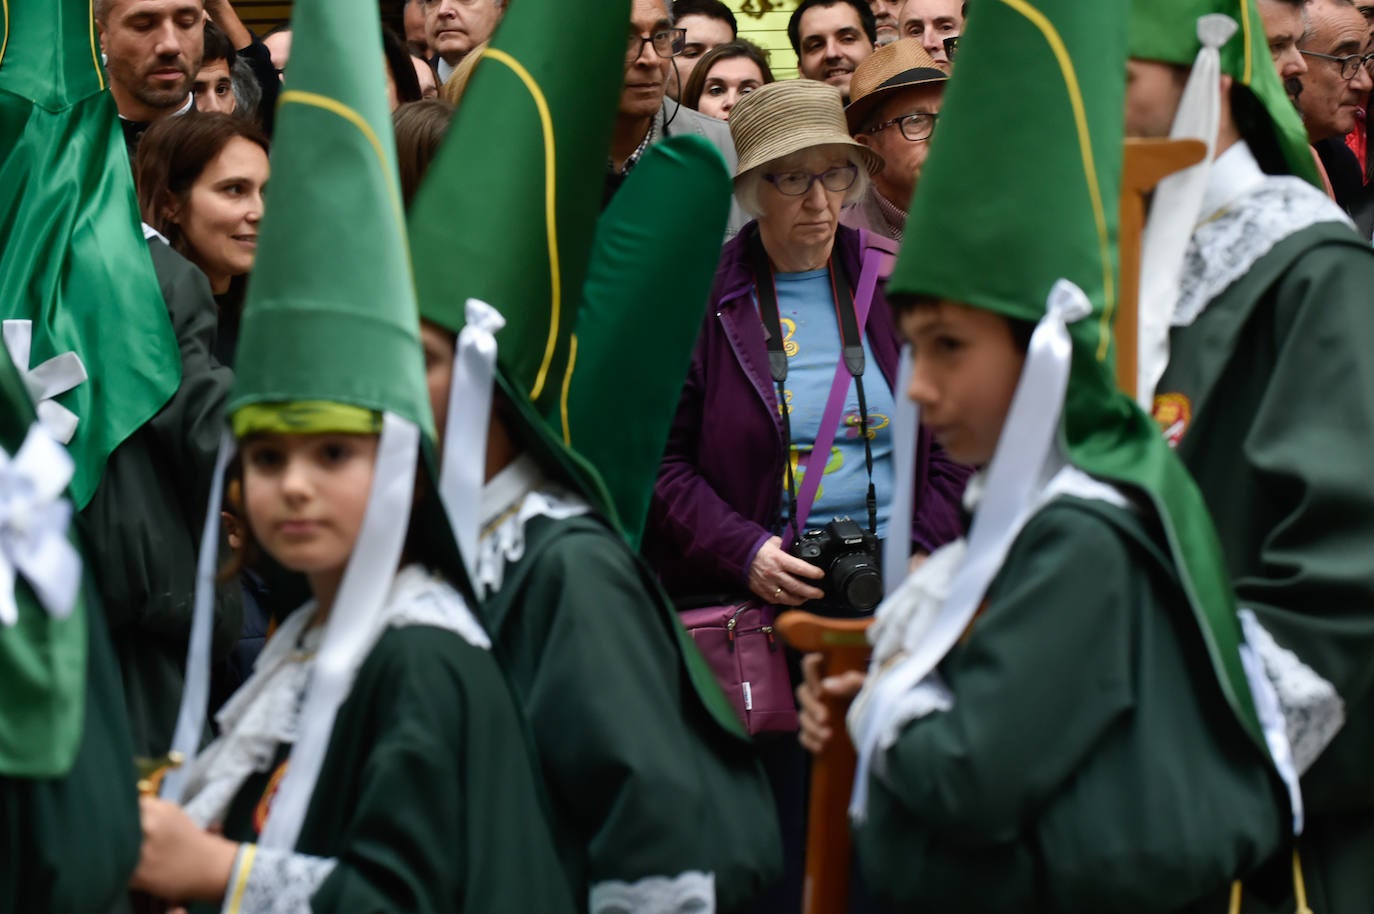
438	345
305	496
965	367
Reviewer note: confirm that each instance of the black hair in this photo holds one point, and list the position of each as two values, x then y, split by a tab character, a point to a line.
402	70
712	9
1257	129
870	24
1021	330
217	45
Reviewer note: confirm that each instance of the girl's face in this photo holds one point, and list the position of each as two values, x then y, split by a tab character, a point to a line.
728	82
965	368
219	218
305	497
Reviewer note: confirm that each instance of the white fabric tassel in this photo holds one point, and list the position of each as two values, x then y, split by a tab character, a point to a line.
463	472
1177	206
195	694
34	518
906	423
1025	457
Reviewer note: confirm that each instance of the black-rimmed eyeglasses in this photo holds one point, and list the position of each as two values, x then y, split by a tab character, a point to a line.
666	42
796	183
915	127
1350	65
951	47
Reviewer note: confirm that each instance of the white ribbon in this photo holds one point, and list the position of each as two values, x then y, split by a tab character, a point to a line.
195	693
353	627
52	378
906	422
1176	206
464	468
33	527
1025	459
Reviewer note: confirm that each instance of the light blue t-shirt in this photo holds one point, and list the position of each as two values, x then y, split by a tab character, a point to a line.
811	339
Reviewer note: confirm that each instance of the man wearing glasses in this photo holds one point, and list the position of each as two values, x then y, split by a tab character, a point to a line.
1337	82
893	109
646	116
1335	89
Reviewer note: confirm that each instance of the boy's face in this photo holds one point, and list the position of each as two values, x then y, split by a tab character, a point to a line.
439	347
965	367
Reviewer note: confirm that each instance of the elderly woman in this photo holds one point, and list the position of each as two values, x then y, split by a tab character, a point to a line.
723	498
730	480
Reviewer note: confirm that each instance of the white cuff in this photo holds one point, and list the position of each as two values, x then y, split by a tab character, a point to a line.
693	892
270	881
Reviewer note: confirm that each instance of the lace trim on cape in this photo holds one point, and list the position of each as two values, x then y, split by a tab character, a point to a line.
693	892
264	713
275	881
1313	712
513	498
905	617
1224	249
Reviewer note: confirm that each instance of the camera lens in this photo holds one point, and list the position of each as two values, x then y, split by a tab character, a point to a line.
858	579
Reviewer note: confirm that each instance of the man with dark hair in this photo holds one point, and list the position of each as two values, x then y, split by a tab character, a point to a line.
214	85
455	27
932	22
709	24
152	50
1285	22
831	38
645	116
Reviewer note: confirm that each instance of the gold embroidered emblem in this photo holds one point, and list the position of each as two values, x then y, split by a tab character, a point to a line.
1173	412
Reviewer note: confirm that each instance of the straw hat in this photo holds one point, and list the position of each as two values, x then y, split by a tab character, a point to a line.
786	117
889	69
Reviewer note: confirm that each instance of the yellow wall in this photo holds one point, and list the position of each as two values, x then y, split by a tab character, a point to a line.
764	22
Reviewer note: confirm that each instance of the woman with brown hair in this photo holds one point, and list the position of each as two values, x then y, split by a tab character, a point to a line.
200	182
724	75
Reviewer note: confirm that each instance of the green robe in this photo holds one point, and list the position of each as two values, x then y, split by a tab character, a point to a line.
645	780
1089	762
68	845
427	797
143	524
1274	386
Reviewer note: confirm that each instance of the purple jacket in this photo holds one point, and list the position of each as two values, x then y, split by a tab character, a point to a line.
719	490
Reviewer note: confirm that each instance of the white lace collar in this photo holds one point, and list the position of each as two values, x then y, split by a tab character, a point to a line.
510	499
264	713
1247	213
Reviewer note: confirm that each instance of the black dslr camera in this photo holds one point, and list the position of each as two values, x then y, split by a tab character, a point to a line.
853	581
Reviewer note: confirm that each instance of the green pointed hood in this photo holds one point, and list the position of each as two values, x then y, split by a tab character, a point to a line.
1063	167
71	249
330	312
1167	31
43	702
509	208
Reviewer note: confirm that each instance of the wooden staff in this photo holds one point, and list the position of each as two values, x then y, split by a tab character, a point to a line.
1144	165
842	642
844	646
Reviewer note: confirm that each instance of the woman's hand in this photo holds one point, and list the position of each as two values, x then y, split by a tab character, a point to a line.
180	861
813	695
779	578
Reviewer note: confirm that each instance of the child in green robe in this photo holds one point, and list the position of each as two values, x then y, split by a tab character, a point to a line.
376	759
1061	713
